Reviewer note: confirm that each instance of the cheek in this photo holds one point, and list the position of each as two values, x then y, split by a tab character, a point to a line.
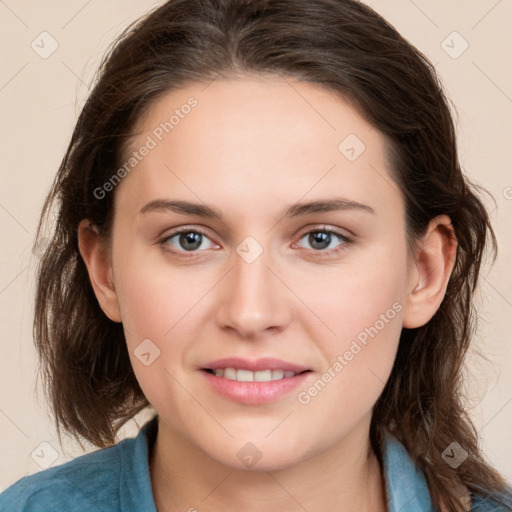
361	322
154	297
161	307
358	363
143	303
356	295
153	304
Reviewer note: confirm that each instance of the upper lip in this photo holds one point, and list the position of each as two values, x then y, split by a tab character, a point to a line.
265	363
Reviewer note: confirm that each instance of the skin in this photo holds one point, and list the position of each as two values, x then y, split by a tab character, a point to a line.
253	146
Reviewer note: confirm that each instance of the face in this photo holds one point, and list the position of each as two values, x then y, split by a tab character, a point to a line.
260	236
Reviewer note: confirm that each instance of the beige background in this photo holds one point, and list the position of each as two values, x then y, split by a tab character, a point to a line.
40	99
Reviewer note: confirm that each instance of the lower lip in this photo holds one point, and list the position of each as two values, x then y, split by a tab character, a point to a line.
254	393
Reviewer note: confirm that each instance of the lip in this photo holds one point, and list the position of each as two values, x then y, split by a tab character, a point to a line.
265	363
254	393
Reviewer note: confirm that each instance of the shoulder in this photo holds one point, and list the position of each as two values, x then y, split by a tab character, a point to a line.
108	480
407	488
481	503
112	479
87	483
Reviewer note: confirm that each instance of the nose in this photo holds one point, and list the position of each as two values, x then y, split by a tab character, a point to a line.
253	301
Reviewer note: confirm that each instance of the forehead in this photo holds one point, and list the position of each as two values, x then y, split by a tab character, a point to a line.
261	137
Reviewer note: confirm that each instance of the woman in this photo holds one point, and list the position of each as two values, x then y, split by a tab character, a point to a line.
264	234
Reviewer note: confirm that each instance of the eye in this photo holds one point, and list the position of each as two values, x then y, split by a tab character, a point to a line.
324	240
186	241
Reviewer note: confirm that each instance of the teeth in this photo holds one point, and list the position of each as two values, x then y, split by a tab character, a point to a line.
248	376
229	373
244	376
263	376
277	374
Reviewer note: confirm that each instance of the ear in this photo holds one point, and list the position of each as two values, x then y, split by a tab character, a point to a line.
99	267
433	265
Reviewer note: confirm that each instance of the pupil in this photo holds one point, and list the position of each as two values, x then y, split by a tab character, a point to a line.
190	241
324	239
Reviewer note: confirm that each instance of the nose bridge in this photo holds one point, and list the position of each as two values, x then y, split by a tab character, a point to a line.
254	300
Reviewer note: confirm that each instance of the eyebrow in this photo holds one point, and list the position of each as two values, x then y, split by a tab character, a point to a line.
294	210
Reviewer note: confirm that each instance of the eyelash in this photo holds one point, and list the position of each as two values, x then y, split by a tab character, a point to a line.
346	241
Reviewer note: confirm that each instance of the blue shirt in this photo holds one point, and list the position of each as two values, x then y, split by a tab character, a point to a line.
117	479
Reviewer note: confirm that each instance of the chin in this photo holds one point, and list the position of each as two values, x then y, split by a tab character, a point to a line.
259	457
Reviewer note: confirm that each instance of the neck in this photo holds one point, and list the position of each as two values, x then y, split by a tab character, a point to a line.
342	478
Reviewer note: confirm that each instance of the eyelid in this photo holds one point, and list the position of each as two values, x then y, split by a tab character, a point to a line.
342	232
185	229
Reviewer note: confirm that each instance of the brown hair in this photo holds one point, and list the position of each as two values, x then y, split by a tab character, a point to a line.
341	45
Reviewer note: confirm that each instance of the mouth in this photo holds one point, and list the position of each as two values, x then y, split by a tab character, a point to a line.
242	375
254	382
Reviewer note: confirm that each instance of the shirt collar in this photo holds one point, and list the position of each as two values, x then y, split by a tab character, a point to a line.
406	486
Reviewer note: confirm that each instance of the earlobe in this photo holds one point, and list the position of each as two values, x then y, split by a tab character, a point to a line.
433	266
99	268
